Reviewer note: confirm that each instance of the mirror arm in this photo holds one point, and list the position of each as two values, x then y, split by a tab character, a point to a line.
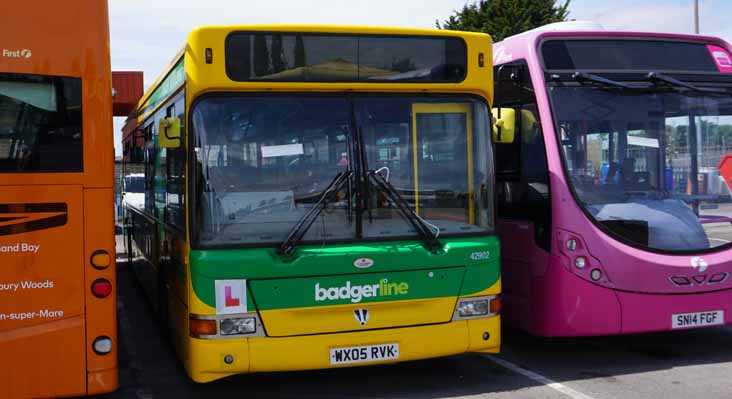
499	127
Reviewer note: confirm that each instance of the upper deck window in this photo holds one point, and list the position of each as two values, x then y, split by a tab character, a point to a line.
627	55
309	57
40	124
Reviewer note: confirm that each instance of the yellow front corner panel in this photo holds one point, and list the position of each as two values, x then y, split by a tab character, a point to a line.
337	318
482	328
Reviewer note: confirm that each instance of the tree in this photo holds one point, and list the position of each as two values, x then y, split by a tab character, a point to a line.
504	18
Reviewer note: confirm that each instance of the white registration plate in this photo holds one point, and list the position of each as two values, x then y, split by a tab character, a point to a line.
368	353
697	319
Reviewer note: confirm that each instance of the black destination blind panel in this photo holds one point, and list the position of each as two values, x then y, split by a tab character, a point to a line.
633	55
313	57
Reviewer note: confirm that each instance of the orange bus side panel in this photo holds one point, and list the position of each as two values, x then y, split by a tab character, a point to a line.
41	292
101	313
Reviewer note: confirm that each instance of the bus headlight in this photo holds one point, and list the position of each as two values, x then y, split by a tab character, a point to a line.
245	325
470	308
473	308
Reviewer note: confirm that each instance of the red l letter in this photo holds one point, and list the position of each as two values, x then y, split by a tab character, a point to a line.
229	300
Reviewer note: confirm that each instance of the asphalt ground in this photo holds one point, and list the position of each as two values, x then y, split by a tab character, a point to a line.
682	364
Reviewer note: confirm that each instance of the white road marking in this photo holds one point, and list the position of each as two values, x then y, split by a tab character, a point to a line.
539	378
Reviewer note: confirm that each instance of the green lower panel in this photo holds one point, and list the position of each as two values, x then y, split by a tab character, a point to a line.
465	266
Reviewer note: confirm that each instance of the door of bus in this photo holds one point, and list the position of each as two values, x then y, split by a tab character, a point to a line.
434	150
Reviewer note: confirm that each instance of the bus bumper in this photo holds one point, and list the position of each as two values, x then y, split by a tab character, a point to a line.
647	313
268	354
564	305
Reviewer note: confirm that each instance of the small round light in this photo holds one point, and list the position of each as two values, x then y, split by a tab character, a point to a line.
572	244
228	359
100	259
228	327
580	262
102	345
101	288
486	336
596	274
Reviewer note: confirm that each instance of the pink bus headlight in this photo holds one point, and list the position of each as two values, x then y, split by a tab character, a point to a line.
577	258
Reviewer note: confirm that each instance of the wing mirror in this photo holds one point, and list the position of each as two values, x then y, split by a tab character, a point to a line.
170	135
504	125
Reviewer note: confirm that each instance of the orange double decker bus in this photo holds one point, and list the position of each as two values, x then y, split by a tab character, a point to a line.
57	273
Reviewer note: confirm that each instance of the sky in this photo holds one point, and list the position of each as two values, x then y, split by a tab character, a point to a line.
145	34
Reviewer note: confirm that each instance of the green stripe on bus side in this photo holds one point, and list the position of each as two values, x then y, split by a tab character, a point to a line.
168	86
476	260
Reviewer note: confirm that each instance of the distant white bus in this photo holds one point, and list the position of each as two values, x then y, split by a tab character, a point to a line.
133	192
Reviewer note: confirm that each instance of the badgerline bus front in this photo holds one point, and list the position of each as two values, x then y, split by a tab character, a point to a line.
615	189
57	310
339	202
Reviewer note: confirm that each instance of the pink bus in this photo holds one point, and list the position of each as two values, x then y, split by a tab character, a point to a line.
613	175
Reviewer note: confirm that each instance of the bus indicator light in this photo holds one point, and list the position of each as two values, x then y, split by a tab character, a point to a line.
496	305
580	262
101	288
100	259
202	327
572	244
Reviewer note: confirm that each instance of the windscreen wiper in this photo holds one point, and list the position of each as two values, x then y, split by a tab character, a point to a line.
656	77
303	225
588	77
420	226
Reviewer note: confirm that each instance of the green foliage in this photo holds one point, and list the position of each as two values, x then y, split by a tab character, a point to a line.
504	18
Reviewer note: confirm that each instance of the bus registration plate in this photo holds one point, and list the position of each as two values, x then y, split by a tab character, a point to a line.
368	353
698	319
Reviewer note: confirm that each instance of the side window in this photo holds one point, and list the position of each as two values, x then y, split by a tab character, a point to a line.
175	183
521	165
40	124
149	169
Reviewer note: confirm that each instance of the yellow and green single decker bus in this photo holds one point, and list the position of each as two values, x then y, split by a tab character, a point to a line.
318	197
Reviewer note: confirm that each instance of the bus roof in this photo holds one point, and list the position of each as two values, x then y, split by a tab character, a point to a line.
523	45
204	76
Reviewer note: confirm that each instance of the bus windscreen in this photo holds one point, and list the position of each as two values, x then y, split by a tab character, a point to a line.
627	55
312	57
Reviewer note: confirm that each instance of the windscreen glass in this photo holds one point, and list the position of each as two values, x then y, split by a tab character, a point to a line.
654	168
437	155
40	124
264	162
